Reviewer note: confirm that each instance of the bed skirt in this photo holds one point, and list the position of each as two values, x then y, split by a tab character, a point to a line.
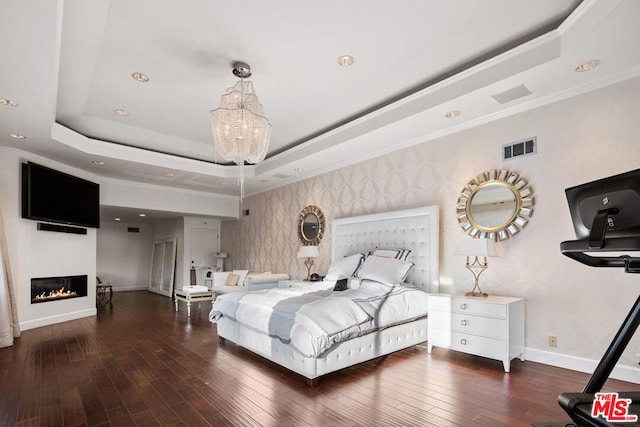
342	355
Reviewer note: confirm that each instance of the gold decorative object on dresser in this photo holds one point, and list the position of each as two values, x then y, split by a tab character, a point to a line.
492	327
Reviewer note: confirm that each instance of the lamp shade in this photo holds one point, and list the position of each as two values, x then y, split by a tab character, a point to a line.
476	247
308	252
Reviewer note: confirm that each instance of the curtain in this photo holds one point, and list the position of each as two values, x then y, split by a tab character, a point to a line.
9	325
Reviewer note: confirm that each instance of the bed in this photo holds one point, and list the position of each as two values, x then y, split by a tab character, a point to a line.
415	231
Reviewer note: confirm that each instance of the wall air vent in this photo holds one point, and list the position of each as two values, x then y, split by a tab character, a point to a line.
526	147
133	229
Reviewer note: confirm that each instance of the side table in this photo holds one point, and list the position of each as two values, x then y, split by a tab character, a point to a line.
102	297
189	296
492	327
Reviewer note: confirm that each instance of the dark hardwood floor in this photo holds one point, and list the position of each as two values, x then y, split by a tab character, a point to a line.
140	363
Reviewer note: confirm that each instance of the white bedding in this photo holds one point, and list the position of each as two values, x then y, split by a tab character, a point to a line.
314	318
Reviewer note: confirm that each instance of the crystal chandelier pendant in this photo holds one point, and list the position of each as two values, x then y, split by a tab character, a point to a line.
241	132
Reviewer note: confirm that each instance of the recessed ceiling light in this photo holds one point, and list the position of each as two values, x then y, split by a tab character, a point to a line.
453	113
16	135
140	77
345	60
587	66
97	162
7	102
143	215
298	170
169	174
120	112
116	219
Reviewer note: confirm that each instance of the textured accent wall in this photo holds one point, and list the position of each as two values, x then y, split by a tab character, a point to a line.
267	239
580	139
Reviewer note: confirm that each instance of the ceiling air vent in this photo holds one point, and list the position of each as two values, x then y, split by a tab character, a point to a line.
133	229
511	94
526	147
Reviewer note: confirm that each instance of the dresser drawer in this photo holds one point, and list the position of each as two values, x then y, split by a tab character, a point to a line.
479	307
481	346
479	325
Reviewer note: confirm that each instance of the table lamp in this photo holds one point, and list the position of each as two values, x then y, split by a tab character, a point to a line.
308	252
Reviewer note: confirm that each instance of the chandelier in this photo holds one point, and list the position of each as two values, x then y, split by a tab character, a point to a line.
241	132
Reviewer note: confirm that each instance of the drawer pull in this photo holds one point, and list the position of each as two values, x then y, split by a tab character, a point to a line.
463	306
463	341
464	322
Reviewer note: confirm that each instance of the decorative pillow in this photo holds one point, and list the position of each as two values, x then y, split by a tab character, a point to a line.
242	276
232	280
402	254
344	267
389	271
341	285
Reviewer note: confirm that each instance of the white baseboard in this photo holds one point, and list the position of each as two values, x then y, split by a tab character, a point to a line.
46	321
580	364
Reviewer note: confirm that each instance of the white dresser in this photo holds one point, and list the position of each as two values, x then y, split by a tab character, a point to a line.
492	327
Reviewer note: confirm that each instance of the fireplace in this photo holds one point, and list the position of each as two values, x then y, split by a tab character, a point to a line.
45	289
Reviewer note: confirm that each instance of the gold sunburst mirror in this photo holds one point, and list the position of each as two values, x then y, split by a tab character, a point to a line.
496	204
311	225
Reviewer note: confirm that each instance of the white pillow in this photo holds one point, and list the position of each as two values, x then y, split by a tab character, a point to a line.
389	271
344	267
242	275
402	254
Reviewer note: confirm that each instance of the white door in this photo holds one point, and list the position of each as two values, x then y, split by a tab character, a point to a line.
163	264
203	248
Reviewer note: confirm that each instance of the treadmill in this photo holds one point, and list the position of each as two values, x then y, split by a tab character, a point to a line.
606	219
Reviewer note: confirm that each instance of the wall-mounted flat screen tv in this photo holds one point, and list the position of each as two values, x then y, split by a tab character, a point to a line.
53	196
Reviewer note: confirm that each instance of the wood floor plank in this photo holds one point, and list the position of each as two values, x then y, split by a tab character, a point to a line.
72	409
145	419
140	363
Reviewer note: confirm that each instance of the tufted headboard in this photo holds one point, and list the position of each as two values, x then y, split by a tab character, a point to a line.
415	229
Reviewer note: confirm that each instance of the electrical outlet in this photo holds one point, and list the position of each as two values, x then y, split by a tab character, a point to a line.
553	341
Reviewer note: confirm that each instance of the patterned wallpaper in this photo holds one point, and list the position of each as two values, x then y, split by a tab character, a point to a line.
267	239
580	139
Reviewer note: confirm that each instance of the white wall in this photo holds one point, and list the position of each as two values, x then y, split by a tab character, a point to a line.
579	139
35	253
124	258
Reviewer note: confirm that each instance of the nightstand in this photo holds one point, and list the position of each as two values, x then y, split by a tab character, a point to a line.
492	327
294	283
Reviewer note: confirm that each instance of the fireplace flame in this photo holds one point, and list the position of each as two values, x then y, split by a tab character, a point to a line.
55	294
